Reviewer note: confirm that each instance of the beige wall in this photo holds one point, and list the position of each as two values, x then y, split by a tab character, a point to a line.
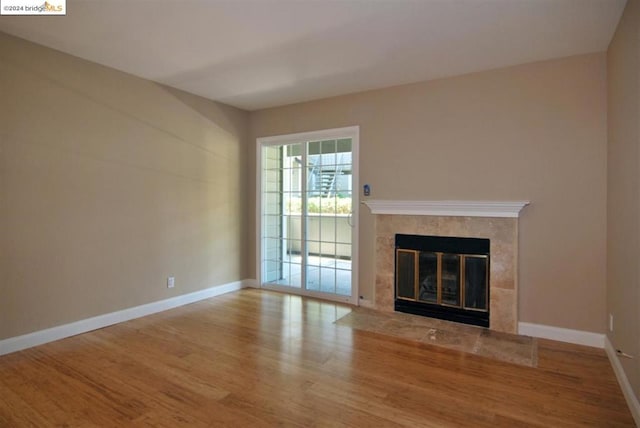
536	132
109	184
623	290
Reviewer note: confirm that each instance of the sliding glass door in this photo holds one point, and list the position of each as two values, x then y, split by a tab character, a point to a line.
306	214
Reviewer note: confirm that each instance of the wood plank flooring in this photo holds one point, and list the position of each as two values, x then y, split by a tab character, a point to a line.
258	359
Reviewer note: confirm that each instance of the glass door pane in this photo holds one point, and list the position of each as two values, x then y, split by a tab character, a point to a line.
272	243
451	279
428	272
307	216
282	217
329	199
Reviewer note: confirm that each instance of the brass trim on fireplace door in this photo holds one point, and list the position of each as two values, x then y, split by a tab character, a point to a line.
461	278
439	277
416	277
463	259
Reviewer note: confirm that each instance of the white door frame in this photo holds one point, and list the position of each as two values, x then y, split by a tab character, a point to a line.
352	132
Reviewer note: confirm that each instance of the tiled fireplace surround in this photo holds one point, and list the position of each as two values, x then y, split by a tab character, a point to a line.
496	221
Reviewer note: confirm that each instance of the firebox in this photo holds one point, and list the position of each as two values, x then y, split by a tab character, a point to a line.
443	277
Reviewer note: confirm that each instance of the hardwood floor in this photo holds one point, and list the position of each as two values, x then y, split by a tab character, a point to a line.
256	358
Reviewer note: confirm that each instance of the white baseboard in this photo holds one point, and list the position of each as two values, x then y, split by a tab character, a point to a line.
577	337
629	395
36	338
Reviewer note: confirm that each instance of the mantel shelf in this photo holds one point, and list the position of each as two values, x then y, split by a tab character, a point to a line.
447	208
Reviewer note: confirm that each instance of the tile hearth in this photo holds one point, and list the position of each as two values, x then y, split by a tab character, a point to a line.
510	348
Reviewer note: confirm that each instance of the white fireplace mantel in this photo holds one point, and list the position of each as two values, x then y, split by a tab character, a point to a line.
447	208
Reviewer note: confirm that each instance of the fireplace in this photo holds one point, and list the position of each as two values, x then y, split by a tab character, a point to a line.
495	221
443	277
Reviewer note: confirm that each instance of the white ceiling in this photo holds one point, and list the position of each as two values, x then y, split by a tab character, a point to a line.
262	53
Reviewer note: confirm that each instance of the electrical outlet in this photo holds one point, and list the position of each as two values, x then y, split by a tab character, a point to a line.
610	322
171	282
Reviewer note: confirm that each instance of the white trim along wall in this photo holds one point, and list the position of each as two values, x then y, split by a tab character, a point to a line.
588	339
18	343
627	390
577	337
